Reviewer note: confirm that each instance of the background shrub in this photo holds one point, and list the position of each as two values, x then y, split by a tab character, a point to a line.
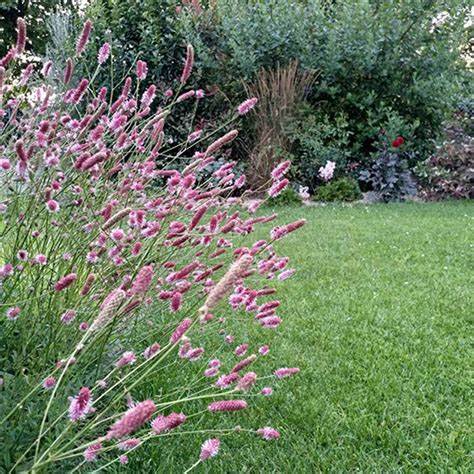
341	189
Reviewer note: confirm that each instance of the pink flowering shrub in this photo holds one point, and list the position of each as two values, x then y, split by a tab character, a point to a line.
115	268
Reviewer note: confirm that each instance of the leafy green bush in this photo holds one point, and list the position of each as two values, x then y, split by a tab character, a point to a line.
316	139
381	65
342	189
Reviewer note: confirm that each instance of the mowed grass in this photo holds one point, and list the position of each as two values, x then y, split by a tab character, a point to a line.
378	318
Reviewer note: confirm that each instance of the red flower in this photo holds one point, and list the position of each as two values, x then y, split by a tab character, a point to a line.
399	141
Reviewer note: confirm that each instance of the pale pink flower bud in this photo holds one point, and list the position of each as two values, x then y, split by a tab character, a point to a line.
49	383
209	449
142	69
268	433
181	330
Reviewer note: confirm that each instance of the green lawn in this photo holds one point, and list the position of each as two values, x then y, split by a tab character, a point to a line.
378	319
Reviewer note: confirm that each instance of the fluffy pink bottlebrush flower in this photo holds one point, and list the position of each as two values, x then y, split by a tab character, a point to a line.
84	37
84	326
286	372
164	423
88	284
5	164
181	330
285	274
123	459
264	350
227	405
127	358
268	433
117	217
80	405
68	70
280	170
133	419
49	383
241	350
281	231
13	313
68	316
270	322
104	53
142	281
244	363
278	187
209	449
266	391
186	95
214	363
211	372
227	380
188	64
194	354
108	309
219	143
52	205
91	452
247	381
65	282
175	301
151	351
117	234
128	444
141	69
246	106
21	35
235	272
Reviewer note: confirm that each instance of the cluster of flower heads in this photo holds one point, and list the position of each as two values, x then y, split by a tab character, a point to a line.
130	230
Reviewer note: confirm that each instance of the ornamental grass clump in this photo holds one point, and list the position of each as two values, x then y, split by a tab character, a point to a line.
115	270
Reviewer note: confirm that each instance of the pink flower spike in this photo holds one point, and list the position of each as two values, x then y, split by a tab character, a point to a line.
209	449
227	405
84	37
49	383
247	106
128	444
164	423
52	205
142	69
104	53
181	330
268	433
286	372
80	405
91	452
128	358
266	391
133	419
65	281
264	350
12	313
188	65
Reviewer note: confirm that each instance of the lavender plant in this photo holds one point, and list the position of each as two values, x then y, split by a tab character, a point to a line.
114	268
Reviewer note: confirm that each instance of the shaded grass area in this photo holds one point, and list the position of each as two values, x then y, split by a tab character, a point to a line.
379	319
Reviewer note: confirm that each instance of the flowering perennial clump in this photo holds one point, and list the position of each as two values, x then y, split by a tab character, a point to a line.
117	262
